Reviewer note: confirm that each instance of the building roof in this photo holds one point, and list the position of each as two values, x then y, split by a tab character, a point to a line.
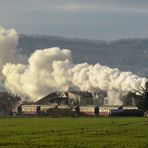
48	98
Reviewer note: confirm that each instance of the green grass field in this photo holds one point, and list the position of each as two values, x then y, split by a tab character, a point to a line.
74	132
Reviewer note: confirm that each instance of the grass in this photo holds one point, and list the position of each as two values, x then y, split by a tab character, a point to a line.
74	132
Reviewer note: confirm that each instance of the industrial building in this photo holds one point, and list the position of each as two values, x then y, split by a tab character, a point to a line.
70	103
70	97
80	110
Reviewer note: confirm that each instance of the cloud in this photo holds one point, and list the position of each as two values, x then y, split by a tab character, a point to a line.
76	6
94	7
79	18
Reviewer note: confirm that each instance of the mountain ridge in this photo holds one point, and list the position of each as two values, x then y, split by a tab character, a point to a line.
129	54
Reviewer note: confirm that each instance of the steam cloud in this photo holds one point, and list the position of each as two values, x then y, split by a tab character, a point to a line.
8	49
52	69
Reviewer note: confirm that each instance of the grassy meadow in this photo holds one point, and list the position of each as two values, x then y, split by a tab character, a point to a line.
74	132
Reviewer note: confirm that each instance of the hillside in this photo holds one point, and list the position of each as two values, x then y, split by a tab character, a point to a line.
125	54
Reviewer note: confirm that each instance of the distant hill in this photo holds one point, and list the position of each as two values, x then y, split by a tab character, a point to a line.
125	54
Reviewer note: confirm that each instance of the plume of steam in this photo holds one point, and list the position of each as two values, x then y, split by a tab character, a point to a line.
46	71
52	69
114	97
8	48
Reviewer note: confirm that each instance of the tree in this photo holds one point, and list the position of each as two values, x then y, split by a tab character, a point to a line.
142	98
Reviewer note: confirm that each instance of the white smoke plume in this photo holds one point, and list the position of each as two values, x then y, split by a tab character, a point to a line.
52	69
114	97
8	48
46	71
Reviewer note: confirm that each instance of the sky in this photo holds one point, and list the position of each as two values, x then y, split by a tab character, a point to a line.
91	19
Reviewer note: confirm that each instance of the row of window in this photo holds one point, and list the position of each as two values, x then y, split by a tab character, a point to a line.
86	109
108	108
29	109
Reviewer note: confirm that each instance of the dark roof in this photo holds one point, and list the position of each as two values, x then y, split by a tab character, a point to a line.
46	99
60	95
